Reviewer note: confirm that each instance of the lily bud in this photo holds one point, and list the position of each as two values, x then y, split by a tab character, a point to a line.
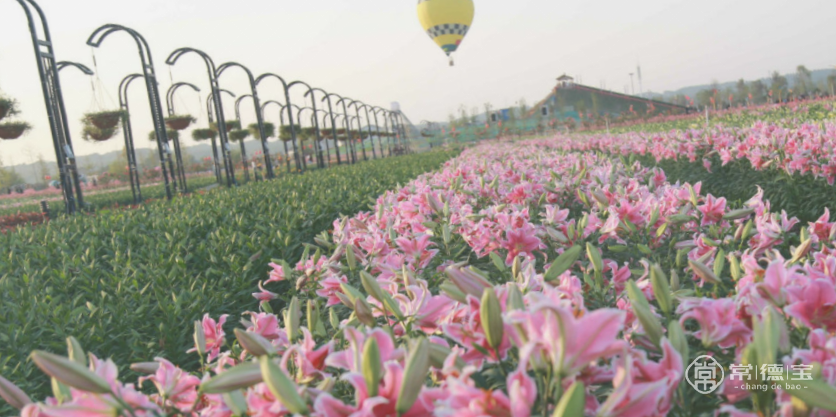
282	386
349	256
351	292
719	263
372	366
415	372
747	230
312	314
146	368
734	266
738	214
60	391
816	394
562	263
641	308
515	298
254	343
333	319
693	195
236	402
661	290
490	313
468	280
292	319
75	352
516	267
675	285
438	355
801	250
371	286
594	258
601	198
452	291
363	311
572	403
70	373
199	338
678	340
703	272
13	395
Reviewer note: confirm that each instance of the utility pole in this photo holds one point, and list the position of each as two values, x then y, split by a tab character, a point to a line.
639	73
632	87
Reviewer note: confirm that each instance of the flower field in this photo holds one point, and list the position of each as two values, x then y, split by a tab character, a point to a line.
126	281
534	278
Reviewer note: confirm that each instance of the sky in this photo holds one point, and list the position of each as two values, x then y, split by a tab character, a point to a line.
376	51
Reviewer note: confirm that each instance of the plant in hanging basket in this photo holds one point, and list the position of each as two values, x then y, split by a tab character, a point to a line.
105	119
269	130
172	134
238	135
8	107
204	134
13	130
284	132
230	125
92	133
179	122
340	131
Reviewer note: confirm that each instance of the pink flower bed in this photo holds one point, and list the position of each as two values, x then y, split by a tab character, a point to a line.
520	280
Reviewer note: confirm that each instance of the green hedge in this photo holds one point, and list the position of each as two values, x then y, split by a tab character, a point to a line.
802	196
128	283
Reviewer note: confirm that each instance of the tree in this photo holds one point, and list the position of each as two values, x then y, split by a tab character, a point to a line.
741	91
523	107
43	169
474	114
758	91
779	85
803	80
488	107
831	82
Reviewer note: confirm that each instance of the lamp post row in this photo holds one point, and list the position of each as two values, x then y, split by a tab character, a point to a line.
175	177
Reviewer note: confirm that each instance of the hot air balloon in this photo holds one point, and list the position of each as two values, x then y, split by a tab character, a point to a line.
446	21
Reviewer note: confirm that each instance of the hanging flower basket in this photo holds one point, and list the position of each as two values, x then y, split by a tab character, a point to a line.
238	135
179	122
172	135
8	107
105	119
94	134
285	133
204	134
230	125
269	130
13	130
340	131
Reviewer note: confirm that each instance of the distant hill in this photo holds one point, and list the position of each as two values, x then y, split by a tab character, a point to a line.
819	75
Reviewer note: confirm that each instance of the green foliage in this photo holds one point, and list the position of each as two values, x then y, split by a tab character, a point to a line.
125	281
802	196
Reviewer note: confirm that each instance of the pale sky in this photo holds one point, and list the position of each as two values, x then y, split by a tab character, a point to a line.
377	52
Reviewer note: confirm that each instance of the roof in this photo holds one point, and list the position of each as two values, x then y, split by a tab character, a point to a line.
564	77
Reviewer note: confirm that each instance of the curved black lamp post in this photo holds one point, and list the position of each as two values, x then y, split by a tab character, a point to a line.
385	128
286	88
211	119
327	147
268	164
54	102
281	123
95	41
369	129
377	127
219	109
333	125
127	133
81	67
317	137
343	101
181	171
299	111
243	149
359	126
346	140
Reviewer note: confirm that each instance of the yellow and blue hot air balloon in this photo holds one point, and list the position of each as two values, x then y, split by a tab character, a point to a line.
446	21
